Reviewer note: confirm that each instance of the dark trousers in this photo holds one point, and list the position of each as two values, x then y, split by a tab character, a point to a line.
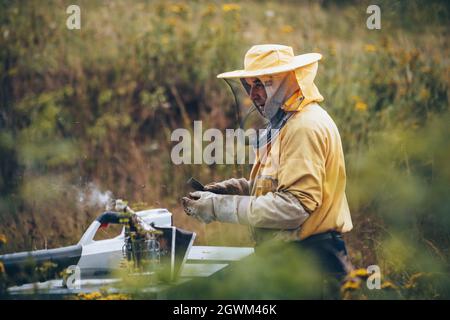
330	251
327	251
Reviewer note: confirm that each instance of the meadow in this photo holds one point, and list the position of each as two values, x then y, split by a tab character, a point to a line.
95	108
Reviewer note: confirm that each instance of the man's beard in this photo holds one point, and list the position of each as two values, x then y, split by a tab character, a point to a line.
261	109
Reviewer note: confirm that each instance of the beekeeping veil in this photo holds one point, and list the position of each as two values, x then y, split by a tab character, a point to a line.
288	81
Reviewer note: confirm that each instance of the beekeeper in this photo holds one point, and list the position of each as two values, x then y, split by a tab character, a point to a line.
296	189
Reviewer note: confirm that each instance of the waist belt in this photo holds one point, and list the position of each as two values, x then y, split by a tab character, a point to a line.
330	235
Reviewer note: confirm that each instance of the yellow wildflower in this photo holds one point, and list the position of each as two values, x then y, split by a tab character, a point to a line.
388	285
424	94
361	106
228	7
171	21
177	8
370	48
3	240
350	285
287	29
117	296
362	273
90	296
102	294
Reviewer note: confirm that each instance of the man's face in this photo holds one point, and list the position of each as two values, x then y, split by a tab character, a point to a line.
257	91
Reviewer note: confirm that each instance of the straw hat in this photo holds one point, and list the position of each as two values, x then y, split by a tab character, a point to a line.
270	59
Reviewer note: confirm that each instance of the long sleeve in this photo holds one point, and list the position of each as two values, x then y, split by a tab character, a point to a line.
300	175
302	165
276	210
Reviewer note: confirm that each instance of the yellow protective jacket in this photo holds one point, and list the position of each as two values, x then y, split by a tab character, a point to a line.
306	160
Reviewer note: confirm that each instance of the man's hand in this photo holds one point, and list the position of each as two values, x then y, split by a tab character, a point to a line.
207	206
200	205
231	186
279	210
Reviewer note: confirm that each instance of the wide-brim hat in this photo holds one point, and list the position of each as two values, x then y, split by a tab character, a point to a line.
268	59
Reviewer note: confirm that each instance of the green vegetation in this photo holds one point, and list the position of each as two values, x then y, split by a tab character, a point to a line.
99	104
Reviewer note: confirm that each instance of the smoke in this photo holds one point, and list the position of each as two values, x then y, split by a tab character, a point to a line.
92	196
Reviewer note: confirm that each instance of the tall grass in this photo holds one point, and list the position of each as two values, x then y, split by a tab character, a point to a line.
99	104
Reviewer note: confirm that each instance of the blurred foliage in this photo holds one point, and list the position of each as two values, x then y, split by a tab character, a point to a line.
99	104
276	271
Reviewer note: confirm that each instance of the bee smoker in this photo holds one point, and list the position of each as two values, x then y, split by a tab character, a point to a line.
142	246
